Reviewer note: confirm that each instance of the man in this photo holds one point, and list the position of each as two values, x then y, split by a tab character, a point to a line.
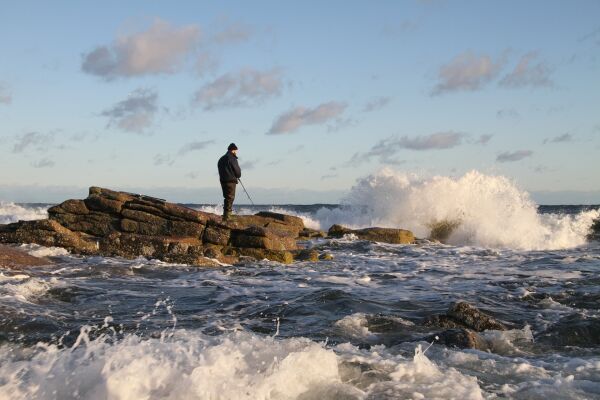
229	173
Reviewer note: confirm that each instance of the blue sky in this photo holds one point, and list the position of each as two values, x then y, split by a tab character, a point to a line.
146	95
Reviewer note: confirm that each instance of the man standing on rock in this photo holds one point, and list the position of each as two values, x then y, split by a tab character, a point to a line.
229	173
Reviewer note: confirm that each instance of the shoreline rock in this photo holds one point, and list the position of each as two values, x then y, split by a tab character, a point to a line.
112	223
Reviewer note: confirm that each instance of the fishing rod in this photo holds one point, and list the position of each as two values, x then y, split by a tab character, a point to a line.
249	198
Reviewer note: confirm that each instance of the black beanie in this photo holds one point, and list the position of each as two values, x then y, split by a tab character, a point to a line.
232	146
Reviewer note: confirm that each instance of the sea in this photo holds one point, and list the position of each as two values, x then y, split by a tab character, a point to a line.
347	328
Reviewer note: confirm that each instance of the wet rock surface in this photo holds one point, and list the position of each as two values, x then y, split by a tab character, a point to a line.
15	258
111	223
384	235
463	315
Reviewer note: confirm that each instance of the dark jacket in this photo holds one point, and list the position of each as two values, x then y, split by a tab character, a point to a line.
229	169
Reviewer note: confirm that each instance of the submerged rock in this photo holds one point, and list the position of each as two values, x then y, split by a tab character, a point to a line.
464	315
460	338
385	235
111	223
572	330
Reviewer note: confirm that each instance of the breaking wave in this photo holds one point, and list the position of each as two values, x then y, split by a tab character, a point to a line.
475	209
11	212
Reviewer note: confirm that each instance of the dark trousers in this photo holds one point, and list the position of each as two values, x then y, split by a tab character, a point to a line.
228	196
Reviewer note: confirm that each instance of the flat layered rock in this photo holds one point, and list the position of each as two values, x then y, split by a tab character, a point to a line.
113	223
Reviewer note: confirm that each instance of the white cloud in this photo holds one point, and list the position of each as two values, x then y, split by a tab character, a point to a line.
162	48
514	156
298	117
134	114
467	71
528	73
5	95
246	87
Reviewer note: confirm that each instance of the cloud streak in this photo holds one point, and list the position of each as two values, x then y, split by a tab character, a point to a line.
565	138
195	146
243	88
528	73
385	150
467	72
134	114
298	117
43	163
37	140
514	156
161	48
376	104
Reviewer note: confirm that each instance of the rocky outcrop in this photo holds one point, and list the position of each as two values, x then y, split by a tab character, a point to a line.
385	235
111	223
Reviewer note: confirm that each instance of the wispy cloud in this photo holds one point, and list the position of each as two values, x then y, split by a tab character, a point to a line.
195	146
246	87
298	117
385	150
329	176
38	141
508	113
467	72
484	139
161	48
5	94
134	114
233	32
377	104
528	72
513	156
163	159
300	147
564	138
249	164
43	163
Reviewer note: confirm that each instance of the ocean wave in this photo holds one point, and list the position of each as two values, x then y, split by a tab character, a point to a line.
475	209
11	212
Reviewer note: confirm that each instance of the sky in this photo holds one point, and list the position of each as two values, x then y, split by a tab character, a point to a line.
146	96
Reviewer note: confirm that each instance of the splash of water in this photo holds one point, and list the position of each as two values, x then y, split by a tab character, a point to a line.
475	209
11	212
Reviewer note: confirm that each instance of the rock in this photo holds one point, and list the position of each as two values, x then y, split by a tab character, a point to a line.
441	230
112	223
14	258
326	256
460	338
572	330
282	256
312	233
384	235
464	315
307	255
